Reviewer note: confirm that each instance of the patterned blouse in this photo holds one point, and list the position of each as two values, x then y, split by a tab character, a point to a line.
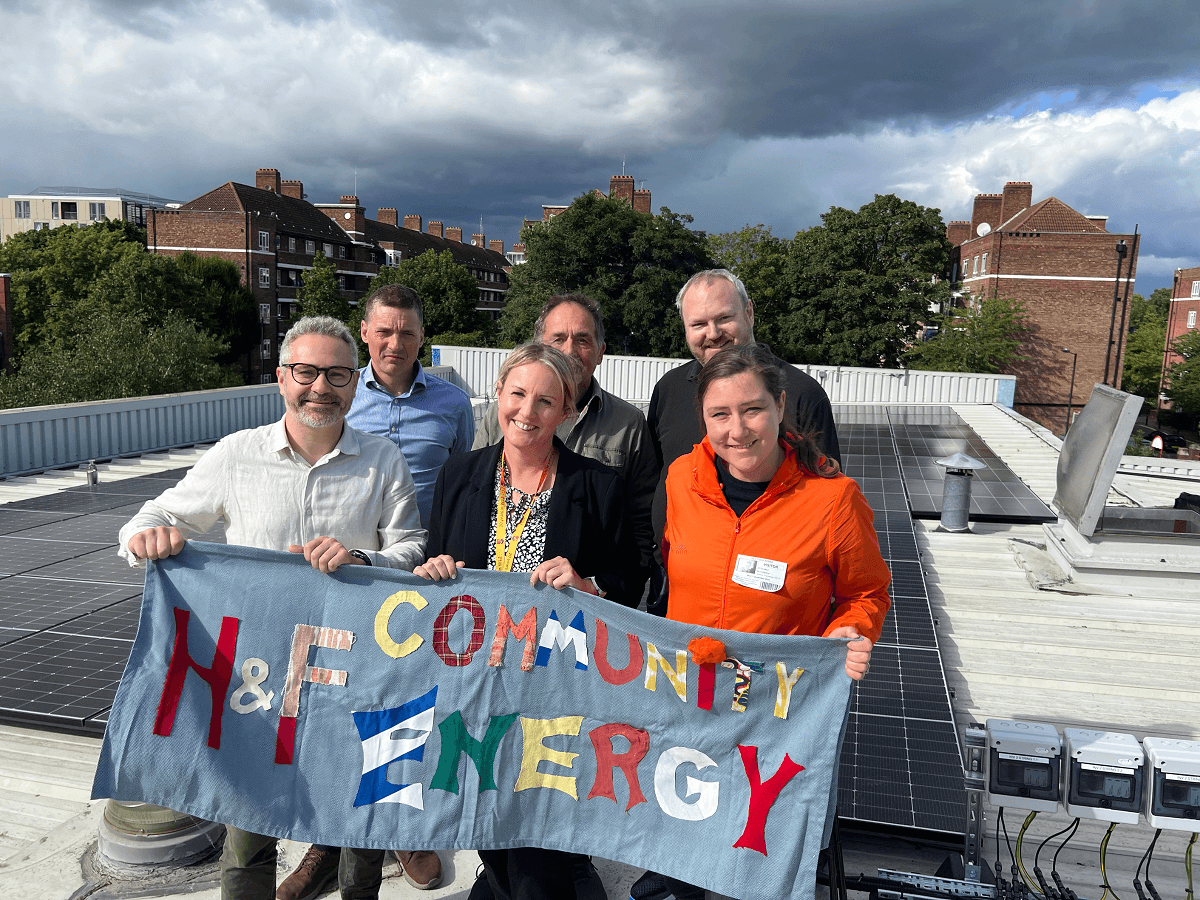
531	547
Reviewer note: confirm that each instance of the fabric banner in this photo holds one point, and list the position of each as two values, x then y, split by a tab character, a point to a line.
371	708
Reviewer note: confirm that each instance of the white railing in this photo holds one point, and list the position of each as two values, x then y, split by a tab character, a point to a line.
36	438
634	377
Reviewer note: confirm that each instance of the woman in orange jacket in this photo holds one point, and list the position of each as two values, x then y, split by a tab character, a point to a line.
763	534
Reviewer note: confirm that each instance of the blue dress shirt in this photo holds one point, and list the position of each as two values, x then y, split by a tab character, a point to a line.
429	422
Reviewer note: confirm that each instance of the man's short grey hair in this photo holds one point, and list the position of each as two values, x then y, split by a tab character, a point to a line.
707	277
592	306
326	325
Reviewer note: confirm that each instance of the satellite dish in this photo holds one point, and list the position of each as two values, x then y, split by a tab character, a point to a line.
984	228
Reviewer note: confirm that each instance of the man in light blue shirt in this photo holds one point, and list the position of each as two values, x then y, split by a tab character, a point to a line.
427	417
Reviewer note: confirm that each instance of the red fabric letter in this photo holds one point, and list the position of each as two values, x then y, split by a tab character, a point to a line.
762	796
607	672
441	630
217	675
705	684
639	743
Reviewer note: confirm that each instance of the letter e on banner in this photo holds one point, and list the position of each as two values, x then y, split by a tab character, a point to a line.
535	731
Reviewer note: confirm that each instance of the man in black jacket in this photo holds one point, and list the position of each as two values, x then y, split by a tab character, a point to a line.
717	313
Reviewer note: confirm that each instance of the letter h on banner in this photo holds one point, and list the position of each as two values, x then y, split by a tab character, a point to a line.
217	676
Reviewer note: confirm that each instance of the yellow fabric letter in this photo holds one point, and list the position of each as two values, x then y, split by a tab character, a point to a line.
677	676
383	639
535	731
783	697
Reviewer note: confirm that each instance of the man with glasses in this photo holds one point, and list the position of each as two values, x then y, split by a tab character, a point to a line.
428	418
310	484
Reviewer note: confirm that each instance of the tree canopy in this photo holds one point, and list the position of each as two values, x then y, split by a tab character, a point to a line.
633	263
70	283
861	281
119	355
1142	370
984	338
320	294
1183	378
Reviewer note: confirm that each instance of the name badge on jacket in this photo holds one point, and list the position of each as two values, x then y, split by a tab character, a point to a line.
759	573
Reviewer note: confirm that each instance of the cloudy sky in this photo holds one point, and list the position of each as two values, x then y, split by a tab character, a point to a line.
734	112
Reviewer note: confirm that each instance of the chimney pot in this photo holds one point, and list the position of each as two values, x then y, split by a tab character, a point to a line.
498	246
387	215
478	240
435	228
293	189
454	233
412	223
267	180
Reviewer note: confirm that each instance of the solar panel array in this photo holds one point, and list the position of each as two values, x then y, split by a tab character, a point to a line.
68	605
900	763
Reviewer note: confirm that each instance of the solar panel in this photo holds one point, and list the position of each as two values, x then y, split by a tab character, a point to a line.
73	501
101	566
65	679
35	604
19	555
14	520
95	528
901	764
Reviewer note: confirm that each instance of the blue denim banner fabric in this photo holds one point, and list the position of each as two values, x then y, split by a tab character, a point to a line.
370	708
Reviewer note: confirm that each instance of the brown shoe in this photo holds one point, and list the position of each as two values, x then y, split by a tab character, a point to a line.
312	877
422	868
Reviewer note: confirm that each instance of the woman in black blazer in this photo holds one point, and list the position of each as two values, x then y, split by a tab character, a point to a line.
528	504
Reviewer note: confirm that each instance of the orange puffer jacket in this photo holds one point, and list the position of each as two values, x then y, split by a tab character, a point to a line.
820	527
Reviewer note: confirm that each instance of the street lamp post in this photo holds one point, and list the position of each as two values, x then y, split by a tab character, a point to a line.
1071	392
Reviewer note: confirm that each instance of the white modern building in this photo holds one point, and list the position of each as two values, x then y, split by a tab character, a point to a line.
50	207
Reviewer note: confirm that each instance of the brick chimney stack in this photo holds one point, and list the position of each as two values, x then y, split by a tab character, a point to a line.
349	200
478	240
498	246
412	223
641	201
267	180
957	232
1018	195
988	208
435	228
620	187
293	189
387	215
454	233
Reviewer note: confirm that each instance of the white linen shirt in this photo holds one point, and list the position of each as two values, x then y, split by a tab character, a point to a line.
360	493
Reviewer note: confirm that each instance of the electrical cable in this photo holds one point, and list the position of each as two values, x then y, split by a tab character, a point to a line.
1012	856
1187	866
1038	854
1063	890
1054	862
1020	838
1146	858
1103	870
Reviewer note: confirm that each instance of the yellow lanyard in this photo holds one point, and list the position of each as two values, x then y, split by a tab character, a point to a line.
506	552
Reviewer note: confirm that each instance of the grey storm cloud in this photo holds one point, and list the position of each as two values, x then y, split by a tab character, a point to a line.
736	112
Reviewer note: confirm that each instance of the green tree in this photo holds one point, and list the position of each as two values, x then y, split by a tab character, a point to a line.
320	294
118	356
981	338
1142	369
1183	378
223	306
633	263
1152	309
53	270
448	291
861	281
760	259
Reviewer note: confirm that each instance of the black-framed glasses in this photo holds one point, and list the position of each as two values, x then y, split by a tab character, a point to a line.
337	376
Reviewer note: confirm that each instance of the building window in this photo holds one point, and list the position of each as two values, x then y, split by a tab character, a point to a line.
96	212
1191	318
983	265
1196	288
266	348
264	313
283	312
22	209
327	249
341	252
264	240
54	210
264	278
291	245
310	247
341	282
268	379
70	209
975	267
38	226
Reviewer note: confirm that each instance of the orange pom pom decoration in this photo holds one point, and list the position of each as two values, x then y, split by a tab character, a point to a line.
706	651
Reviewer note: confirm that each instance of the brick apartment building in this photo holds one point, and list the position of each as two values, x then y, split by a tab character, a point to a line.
272	233
1183	315
620	187
1063	265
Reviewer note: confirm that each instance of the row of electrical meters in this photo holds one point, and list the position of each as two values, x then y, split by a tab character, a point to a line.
1093	774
